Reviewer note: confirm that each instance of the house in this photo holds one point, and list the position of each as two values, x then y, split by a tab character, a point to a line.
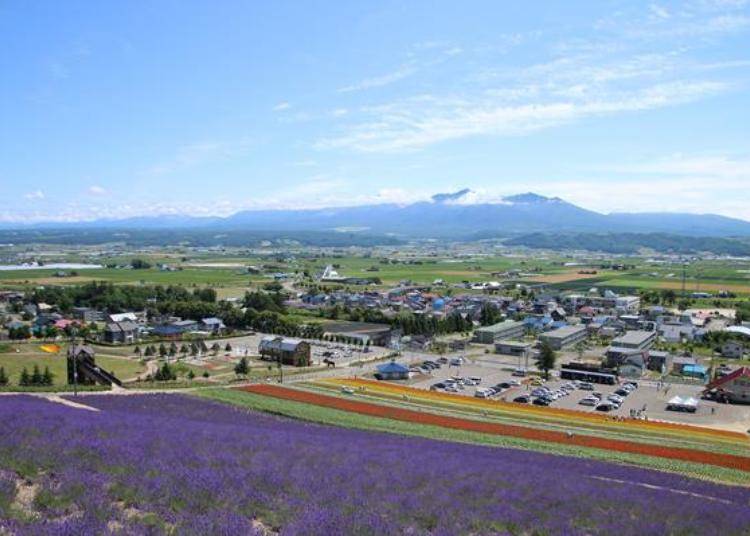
132	317
675	330
376	334
392	371
636	340
633	366
733	350
513	348
628	304
87	314
175	329
509	329
213	325
695	371
680	362
616	356
287	351
564	337
125	332
734	387
659	361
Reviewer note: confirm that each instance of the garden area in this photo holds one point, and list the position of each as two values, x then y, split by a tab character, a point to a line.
230	470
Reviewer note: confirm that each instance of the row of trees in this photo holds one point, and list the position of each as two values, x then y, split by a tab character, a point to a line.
118	298
193	348
37	378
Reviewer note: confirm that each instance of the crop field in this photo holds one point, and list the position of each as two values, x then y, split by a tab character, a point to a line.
164	464
225	272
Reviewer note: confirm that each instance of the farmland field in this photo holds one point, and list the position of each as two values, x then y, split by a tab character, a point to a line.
161	464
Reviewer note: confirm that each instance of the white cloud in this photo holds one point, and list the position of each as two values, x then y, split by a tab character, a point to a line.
97	190
410	125
281	106
658	11
36	194
380	81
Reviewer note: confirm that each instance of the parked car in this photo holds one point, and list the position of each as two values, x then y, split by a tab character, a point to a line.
520	372
542	401
442	360
537	381
586	386
436	386
522	399
483	393
622	392
604	406
504	385
514	383
589	401
457	361
476	379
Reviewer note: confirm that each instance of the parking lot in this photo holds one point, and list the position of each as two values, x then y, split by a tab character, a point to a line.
647	398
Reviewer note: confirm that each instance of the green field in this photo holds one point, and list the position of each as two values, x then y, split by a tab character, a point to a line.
14	362
231	281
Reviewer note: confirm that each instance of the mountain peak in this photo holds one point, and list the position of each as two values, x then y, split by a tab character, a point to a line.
529	198
442	198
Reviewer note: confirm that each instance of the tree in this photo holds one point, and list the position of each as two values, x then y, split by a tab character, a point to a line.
137	351
162	350
228	347
165	374
191	375
36	376
140	264
547	358
3	377
242	368
489	314
215	348
25	379
47	377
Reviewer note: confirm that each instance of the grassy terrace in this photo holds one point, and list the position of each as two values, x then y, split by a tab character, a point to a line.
346	419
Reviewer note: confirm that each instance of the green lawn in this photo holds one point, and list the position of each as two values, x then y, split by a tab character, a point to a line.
13	364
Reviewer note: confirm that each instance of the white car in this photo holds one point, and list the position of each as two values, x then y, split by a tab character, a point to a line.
483	393
589	401
616	399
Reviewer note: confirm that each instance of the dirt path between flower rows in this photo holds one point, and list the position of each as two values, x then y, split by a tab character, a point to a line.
365	408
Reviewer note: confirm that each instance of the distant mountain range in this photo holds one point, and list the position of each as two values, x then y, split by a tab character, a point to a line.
446	215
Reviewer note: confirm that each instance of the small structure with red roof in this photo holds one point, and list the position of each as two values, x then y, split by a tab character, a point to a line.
734	387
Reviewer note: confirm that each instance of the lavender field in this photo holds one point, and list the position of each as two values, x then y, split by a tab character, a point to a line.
155	464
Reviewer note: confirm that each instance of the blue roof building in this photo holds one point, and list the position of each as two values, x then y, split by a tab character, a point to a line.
392	371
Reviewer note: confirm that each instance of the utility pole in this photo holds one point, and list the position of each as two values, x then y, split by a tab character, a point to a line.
684	277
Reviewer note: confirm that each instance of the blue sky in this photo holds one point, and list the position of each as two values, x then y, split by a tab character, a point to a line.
115	109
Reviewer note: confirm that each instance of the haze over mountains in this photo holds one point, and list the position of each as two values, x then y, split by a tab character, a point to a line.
448	215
